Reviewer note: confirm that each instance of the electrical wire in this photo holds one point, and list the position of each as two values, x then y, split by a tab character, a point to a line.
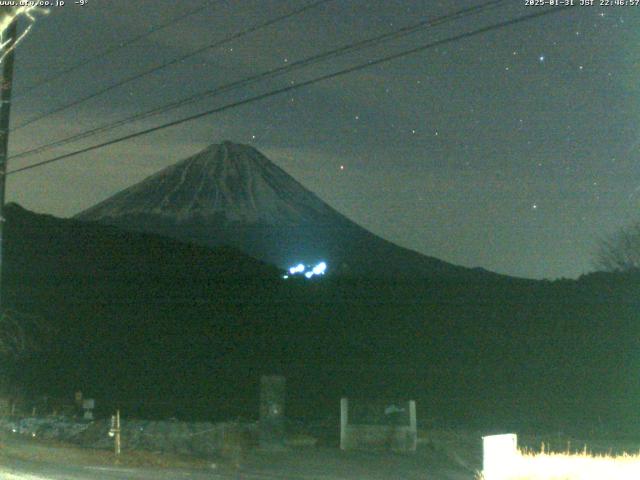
298	86
369	42
169	63
113	49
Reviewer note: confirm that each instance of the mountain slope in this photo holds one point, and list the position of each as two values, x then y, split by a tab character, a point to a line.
231	194
48	253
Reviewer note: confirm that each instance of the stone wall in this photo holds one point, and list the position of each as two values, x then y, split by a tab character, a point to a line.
200	439
380	437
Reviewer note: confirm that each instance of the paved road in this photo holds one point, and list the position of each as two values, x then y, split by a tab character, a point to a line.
25	471
317	464
104	473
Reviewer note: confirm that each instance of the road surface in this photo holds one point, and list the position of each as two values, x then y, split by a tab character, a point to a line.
315	464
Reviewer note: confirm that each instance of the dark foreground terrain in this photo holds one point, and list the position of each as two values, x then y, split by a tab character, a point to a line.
441	455
445	456
165	329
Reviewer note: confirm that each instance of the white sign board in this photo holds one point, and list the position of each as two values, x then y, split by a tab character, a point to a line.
500	455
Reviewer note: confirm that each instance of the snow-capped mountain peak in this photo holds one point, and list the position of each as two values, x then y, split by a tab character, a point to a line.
227	181
230	194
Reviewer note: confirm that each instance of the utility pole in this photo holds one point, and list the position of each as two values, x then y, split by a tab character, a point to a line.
5	108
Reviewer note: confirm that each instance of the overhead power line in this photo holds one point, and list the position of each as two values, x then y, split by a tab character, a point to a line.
115	48
174	61
298	86
366	43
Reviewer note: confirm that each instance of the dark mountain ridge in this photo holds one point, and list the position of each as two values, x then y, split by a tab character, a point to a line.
173	329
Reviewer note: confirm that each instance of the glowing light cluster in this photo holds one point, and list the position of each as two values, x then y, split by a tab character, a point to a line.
320	269
297	269
306	270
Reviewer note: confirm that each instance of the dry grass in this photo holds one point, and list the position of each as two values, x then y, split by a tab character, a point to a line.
571	466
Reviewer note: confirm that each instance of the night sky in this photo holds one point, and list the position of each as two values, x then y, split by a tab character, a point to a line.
515	150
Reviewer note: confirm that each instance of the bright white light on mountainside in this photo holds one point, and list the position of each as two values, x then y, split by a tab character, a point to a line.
297	269
308	271
320	269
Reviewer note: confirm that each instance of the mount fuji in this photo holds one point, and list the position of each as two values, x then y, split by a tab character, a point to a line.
230	194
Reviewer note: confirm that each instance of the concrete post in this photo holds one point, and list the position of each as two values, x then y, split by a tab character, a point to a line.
344	421
115	433
118	442
413	426
6	85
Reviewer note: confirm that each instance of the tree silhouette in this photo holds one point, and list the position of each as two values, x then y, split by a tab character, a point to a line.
22	334
621	251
